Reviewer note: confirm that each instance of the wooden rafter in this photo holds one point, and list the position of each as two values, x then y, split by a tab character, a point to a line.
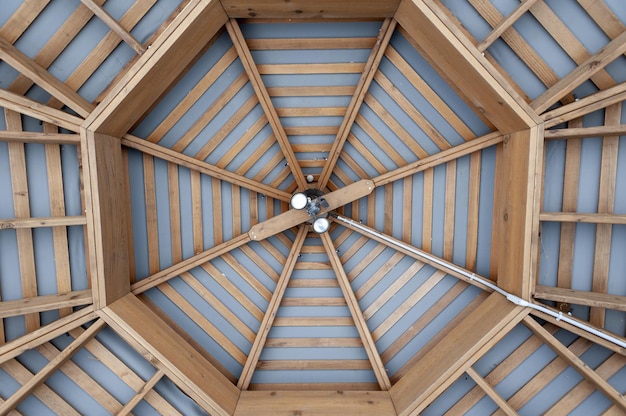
357	314
491	392
114	25
141	394
54	364
578	364
14	57
371	67
264	99
23	105
202	167
580	297
505	24
270	313
191	372
44	303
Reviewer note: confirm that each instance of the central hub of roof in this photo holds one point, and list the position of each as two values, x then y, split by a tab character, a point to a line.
312	202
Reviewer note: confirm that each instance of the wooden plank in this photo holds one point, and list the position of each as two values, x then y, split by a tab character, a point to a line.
22	18
334	68
603	16
23	105
427	209
590	218
37	137
581	297
264	99
21	207
455	353
115	26
28	67
141	394
152	226
202	167
606	202
491	392
190	371
583	132
518	196
311	91
454	55
314	343
27	223
106	201
453	153
314	387
583	72
188	264
294	217
46	333
586	105
505	24
44	303
268	44
270	312
355	310
12	402
156	69
578	364
323	403
300	9
473	202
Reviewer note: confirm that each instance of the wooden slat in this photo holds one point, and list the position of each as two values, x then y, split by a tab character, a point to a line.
266	44
106	201
22	18
518	216
491	392
22	63
21	206
590	218
23	105
355	310
37	137
46	333
311	91
26	389
141	394
505	24
580	297
328	403
114	25
191	372
22	223
583	72
582	132
44	303
314	322
152	225
334	68
454	354
156	69
455	56
264	99
299	9
579	365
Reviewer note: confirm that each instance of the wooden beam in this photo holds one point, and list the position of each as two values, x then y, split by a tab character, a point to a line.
314	403
141	394
505	24
586	105
272	308
44	303
491	392
357	314
294	217
106	199
18	223
517	215
156	69
23	105
442	157
371	67
266	102
114	25
39	75
202	167
303	9
457	351
180	362
46	333
579	365
454	54
584	132
38	137
580	297
583	72
27	389
591	218
188	264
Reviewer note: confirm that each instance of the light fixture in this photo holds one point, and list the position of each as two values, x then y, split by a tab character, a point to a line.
312	201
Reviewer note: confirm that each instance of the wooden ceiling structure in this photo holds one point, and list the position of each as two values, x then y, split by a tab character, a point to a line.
248	246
